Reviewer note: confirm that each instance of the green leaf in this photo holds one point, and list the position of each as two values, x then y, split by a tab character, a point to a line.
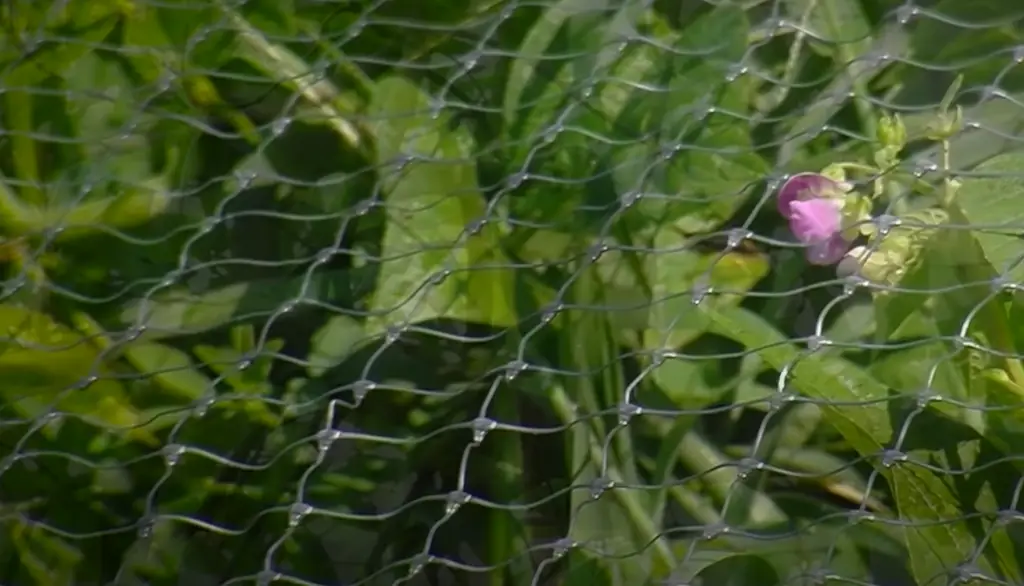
179	311
949	278
677	274
615	524
709	175
332	343
523	75
44	362
834	380
966	41
432	266
46	557
87	23
935	515
685	383
834	23
225	361
728	569
988	484
926	365
134	205
994	205
170	368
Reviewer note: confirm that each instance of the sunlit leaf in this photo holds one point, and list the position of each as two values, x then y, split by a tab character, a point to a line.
936	530
992	203
435	264
45	363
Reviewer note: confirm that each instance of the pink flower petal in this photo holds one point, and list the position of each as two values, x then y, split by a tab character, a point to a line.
814	220
803	186
828	252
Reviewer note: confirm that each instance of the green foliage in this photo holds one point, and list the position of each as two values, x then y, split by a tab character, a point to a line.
363	292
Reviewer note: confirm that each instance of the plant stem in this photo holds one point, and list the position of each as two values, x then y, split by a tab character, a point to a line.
506	527
948	191
780	92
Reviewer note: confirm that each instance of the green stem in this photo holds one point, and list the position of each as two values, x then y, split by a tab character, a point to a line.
505	531
779	93
23	146
628	500
283	64
948	191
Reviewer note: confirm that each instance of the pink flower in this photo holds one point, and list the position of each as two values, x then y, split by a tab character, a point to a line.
815	220
815	215
828	252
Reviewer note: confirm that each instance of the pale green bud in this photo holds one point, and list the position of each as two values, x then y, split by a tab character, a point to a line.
892	133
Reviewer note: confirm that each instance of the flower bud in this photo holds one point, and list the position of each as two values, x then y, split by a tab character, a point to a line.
838	175
946	125
873	265
856	215
899	250
892	133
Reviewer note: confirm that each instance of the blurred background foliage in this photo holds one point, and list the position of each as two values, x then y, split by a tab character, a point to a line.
360	292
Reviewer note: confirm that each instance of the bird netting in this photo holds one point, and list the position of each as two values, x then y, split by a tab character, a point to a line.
522	292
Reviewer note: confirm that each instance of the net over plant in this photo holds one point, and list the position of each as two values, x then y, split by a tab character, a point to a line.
511	292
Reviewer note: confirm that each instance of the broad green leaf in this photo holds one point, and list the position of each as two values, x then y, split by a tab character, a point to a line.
433	265
178	312
708	175
616	523
853	74
794	555
949	278
253	380
968	40
225	361
936	530
994	124
98	121
728	569
278	62
925	365
169	367
68	34
678	275
332	343
44	556
43	362
685	383
134	205
867	428
533	50
652	292
994	205
943	296
840	25
989	484
855	323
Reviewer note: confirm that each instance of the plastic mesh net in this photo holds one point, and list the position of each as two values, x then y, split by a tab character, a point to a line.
511	292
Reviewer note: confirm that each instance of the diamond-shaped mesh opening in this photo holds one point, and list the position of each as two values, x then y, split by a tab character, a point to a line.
555	292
